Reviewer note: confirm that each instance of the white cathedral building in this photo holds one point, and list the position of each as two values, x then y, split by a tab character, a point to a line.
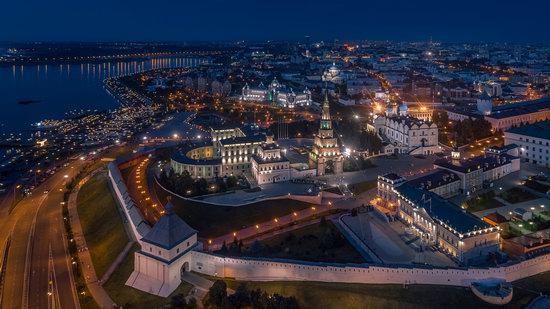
404	134
277	94
334	75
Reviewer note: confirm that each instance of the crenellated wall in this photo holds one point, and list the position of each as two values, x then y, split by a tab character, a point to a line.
274	270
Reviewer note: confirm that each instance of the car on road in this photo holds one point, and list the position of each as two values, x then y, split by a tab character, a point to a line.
46	191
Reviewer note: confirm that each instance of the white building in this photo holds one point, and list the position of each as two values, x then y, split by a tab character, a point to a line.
477	171
229	153
533	141
163	258
269	165
406	134
463	236
494	89
276	94
484	104
333	75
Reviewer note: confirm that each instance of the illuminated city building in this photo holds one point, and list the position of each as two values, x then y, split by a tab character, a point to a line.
229	153
333	75
405	134
276	94
325	155
269	165
164	255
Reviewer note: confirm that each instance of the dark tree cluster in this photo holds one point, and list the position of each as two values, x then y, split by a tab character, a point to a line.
328	240
184	184
370	141
246	298
178	301
468	130
356	164
463	131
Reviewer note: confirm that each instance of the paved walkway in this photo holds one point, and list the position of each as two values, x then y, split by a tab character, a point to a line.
98	292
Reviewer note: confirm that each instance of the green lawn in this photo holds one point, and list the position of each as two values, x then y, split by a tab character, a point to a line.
316	242
129	297
212	221
517	195
482	202
361	187
101	223
343	295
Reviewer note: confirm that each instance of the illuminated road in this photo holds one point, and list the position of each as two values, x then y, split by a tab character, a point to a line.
36	226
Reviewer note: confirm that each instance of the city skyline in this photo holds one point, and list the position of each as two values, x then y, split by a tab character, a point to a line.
284	155
468	21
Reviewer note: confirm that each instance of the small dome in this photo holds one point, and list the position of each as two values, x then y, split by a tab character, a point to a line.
403	107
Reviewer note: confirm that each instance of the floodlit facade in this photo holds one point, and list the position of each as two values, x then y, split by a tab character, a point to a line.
407	134
277	94
326	154
269	165
163	257
233	151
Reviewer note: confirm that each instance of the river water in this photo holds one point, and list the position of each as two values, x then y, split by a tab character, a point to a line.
64	87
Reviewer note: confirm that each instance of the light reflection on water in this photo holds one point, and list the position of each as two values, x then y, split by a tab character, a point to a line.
65	87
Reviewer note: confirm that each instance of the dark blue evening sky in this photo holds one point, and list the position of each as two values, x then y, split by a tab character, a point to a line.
179	20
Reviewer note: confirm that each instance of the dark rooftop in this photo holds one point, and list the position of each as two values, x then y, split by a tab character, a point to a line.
242	140
434	180
539	130
269	160
485	162
169	231
180	156
442	211
392	176
521	108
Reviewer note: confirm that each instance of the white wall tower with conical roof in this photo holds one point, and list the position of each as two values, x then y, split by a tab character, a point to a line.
164	255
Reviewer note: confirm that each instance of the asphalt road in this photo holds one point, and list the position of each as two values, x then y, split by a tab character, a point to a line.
36	226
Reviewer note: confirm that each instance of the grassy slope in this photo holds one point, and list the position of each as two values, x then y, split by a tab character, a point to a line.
101	224
340	295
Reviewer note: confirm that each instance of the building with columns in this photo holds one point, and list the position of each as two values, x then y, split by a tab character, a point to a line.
247	150
325	155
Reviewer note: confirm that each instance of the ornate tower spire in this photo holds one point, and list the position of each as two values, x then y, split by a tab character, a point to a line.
326	123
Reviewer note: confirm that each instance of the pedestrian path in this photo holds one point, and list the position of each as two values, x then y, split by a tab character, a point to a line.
94	285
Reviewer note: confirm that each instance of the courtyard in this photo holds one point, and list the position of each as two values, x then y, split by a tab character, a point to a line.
392	242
